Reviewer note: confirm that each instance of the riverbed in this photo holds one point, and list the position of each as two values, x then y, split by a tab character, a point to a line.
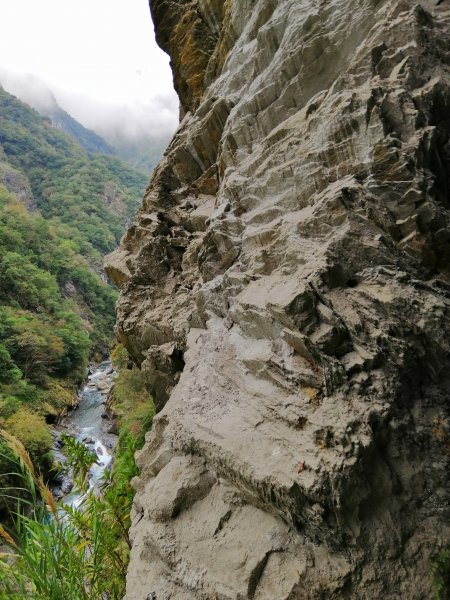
90	425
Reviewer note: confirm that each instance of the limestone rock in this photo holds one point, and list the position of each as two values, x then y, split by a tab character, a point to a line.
286	292
16	182
117	266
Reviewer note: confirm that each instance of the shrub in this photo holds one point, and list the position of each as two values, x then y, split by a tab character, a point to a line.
9	371
120	357
62	551
8	406
33	433
440	569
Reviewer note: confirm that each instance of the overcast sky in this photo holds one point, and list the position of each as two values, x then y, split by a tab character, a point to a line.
99	56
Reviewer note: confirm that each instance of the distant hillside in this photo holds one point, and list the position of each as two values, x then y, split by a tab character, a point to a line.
142	155
95	195
85	137
118	134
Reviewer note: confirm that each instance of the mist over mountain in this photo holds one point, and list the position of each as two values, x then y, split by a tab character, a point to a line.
138	133
86	137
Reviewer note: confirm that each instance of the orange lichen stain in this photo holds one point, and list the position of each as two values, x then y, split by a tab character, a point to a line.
189	47
300	467
441	432
311	392
197	49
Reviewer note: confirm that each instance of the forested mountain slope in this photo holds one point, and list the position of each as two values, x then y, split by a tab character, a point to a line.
61	209
118	131
88	139
94	195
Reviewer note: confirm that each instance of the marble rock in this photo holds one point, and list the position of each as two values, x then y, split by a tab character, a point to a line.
286	291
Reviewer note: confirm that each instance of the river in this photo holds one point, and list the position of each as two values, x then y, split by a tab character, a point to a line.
89	424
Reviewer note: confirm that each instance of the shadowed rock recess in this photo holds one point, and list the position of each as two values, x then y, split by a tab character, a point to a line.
286	290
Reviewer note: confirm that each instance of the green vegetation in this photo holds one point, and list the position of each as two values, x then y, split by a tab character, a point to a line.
135	411
45	335
440	570
31	430
88	139
94	195
61	210
80	552
60	551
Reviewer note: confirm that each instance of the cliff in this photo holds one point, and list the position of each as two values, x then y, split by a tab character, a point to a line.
285	289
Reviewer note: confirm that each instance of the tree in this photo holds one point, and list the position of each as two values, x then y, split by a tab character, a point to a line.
9	372
35	347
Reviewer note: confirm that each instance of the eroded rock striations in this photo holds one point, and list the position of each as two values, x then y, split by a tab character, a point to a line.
286	290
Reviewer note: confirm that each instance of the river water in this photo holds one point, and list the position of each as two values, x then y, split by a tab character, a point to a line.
89	424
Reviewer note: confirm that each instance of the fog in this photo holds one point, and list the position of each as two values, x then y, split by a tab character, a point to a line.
97	58
156	118
28	88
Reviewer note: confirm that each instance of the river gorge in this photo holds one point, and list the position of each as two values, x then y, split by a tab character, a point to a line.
283	321
91	424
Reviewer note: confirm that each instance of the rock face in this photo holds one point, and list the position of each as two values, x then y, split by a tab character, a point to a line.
286	291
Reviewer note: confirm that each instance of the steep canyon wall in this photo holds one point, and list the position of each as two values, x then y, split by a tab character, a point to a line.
286	290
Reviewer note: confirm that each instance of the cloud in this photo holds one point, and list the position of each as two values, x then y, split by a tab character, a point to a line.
98	58
28	88
158	117
116	122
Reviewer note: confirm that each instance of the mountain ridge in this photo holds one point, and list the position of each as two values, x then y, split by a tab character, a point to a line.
87	138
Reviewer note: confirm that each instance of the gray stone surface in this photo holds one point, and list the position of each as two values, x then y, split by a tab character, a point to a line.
16	183
286	291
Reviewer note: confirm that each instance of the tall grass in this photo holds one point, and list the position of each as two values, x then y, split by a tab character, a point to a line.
61	552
